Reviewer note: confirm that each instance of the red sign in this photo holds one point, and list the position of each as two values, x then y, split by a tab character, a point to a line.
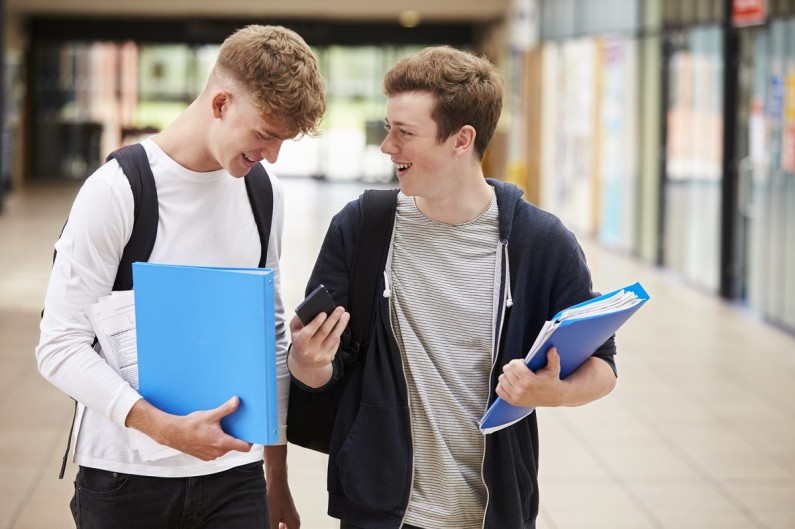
749	12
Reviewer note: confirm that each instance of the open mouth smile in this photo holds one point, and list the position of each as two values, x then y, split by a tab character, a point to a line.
402	167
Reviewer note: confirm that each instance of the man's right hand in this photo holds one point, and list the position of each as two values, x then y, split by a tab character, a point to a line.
198	434
314	346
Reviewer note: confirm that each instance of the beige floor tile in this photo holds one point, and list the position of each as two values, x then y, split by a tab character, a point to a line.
692	505
772	502
48	504
592	503
616	449
308	485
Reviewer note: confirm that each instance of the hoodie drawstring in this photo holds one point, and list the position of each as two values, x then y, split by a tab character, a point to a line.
509	299
387	292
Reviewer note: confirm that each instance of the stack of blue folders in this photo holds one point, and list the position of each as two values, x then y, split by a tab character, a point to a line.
576	332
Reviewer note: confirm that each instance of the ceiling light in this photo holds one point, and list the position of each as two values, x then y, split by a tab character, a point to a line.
409	18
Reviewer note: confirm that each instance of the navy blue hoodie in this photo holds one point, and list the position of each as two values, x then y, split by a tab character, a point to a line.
370	457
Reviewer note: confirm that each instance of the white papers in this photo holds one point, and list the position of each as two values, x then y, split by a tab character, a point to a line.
148	448
113	320
621	300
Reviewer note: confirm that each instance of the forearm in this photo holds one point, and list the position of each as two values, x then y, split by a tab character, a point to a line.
591	381
198	434
153	422
280	500
78	371
276	463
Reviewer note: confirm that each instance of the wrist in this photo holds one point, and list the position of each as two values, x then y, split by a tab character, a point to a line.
309	375
276	463
147	419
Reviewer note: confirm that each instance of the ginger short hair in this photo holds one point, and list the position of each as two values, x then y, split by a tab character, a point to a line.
468	90
279	72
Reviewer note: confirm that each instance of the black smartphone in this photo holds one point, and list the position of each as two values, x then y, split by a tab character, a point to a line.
315	303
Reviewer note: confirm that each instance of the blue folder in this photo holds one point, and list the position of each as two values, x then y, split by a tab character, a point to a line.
576	332
206	334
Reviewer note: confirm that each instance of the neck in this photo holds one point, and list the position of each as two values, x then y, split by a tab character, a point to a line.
461	202
183	142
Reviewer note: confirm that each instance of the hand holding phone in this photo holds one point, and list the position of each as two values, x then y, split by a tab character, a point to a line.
315	303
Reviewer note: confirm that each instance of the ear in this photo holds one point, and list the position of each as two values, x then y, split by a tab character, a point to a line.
465	139
220	102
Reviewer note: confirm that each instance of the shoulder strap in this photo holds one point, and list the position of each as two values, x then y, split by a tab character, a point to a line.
369	260
260	195
135	164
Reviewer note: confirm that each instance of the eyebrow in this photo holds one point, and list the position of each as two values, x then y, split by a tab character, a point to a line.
271	133
399	123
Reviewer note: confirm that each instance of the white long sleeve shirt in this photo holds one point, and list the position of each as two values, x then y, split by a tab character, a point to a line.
205	219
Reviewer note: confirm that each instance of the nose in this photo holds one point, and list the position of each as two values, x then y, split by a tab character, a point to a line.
271	151
388	146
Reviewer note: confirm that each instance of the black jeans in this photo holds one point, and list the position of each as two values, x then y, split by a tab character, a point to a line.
234	499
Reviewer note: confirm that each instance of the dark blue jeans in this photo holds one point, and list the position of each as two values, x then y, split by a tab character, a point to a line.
234	499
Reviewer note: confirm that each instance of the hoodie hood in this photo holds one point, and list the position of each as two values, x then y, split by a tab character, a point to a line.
508	196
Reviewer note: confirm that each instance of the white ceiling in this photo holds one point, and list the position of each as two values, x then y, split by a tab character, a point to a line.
451	10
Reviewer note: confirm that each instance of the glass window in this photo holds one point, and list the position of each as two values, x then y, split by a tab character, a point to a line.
652	14
558	18
717	10
687	11
169	78
91	97
703	10
671	14
693	167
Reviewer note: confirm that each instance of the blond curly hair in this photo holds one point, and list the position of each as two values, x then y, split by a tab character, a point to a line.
279	72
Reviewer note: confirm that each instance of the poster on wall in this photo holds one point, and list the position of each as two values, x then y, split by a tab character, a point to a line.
788	126
576	129
695	122
749	12
618	170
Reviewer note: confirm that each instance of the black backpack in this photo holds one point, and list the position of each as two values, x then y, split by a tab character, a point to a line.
311	415
135	163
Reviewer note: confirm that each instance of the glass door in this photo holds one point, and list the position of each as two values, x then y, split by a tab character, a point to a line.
766	206
693	154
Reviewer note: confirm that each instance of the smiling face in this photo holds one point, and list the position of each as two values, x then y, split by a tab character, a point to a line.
422	162
242	137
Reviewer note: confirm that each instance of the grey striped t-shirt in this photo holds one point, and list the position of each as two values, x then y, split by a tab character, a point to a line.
442	309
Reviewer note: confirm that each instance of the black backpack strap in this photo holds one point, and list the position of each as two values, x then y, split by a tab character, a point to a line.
260	195
369	260
135	164
311	416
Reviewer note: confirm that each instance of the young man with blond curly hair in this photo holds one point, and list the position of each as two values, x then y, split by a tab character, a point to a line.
264	89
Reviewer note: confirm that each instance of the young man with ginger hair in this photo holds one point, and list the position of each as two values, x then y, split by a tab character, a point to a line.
473	272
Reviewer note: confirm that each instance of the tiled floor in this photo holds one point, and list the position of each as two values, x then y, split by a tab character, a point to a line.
699	433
